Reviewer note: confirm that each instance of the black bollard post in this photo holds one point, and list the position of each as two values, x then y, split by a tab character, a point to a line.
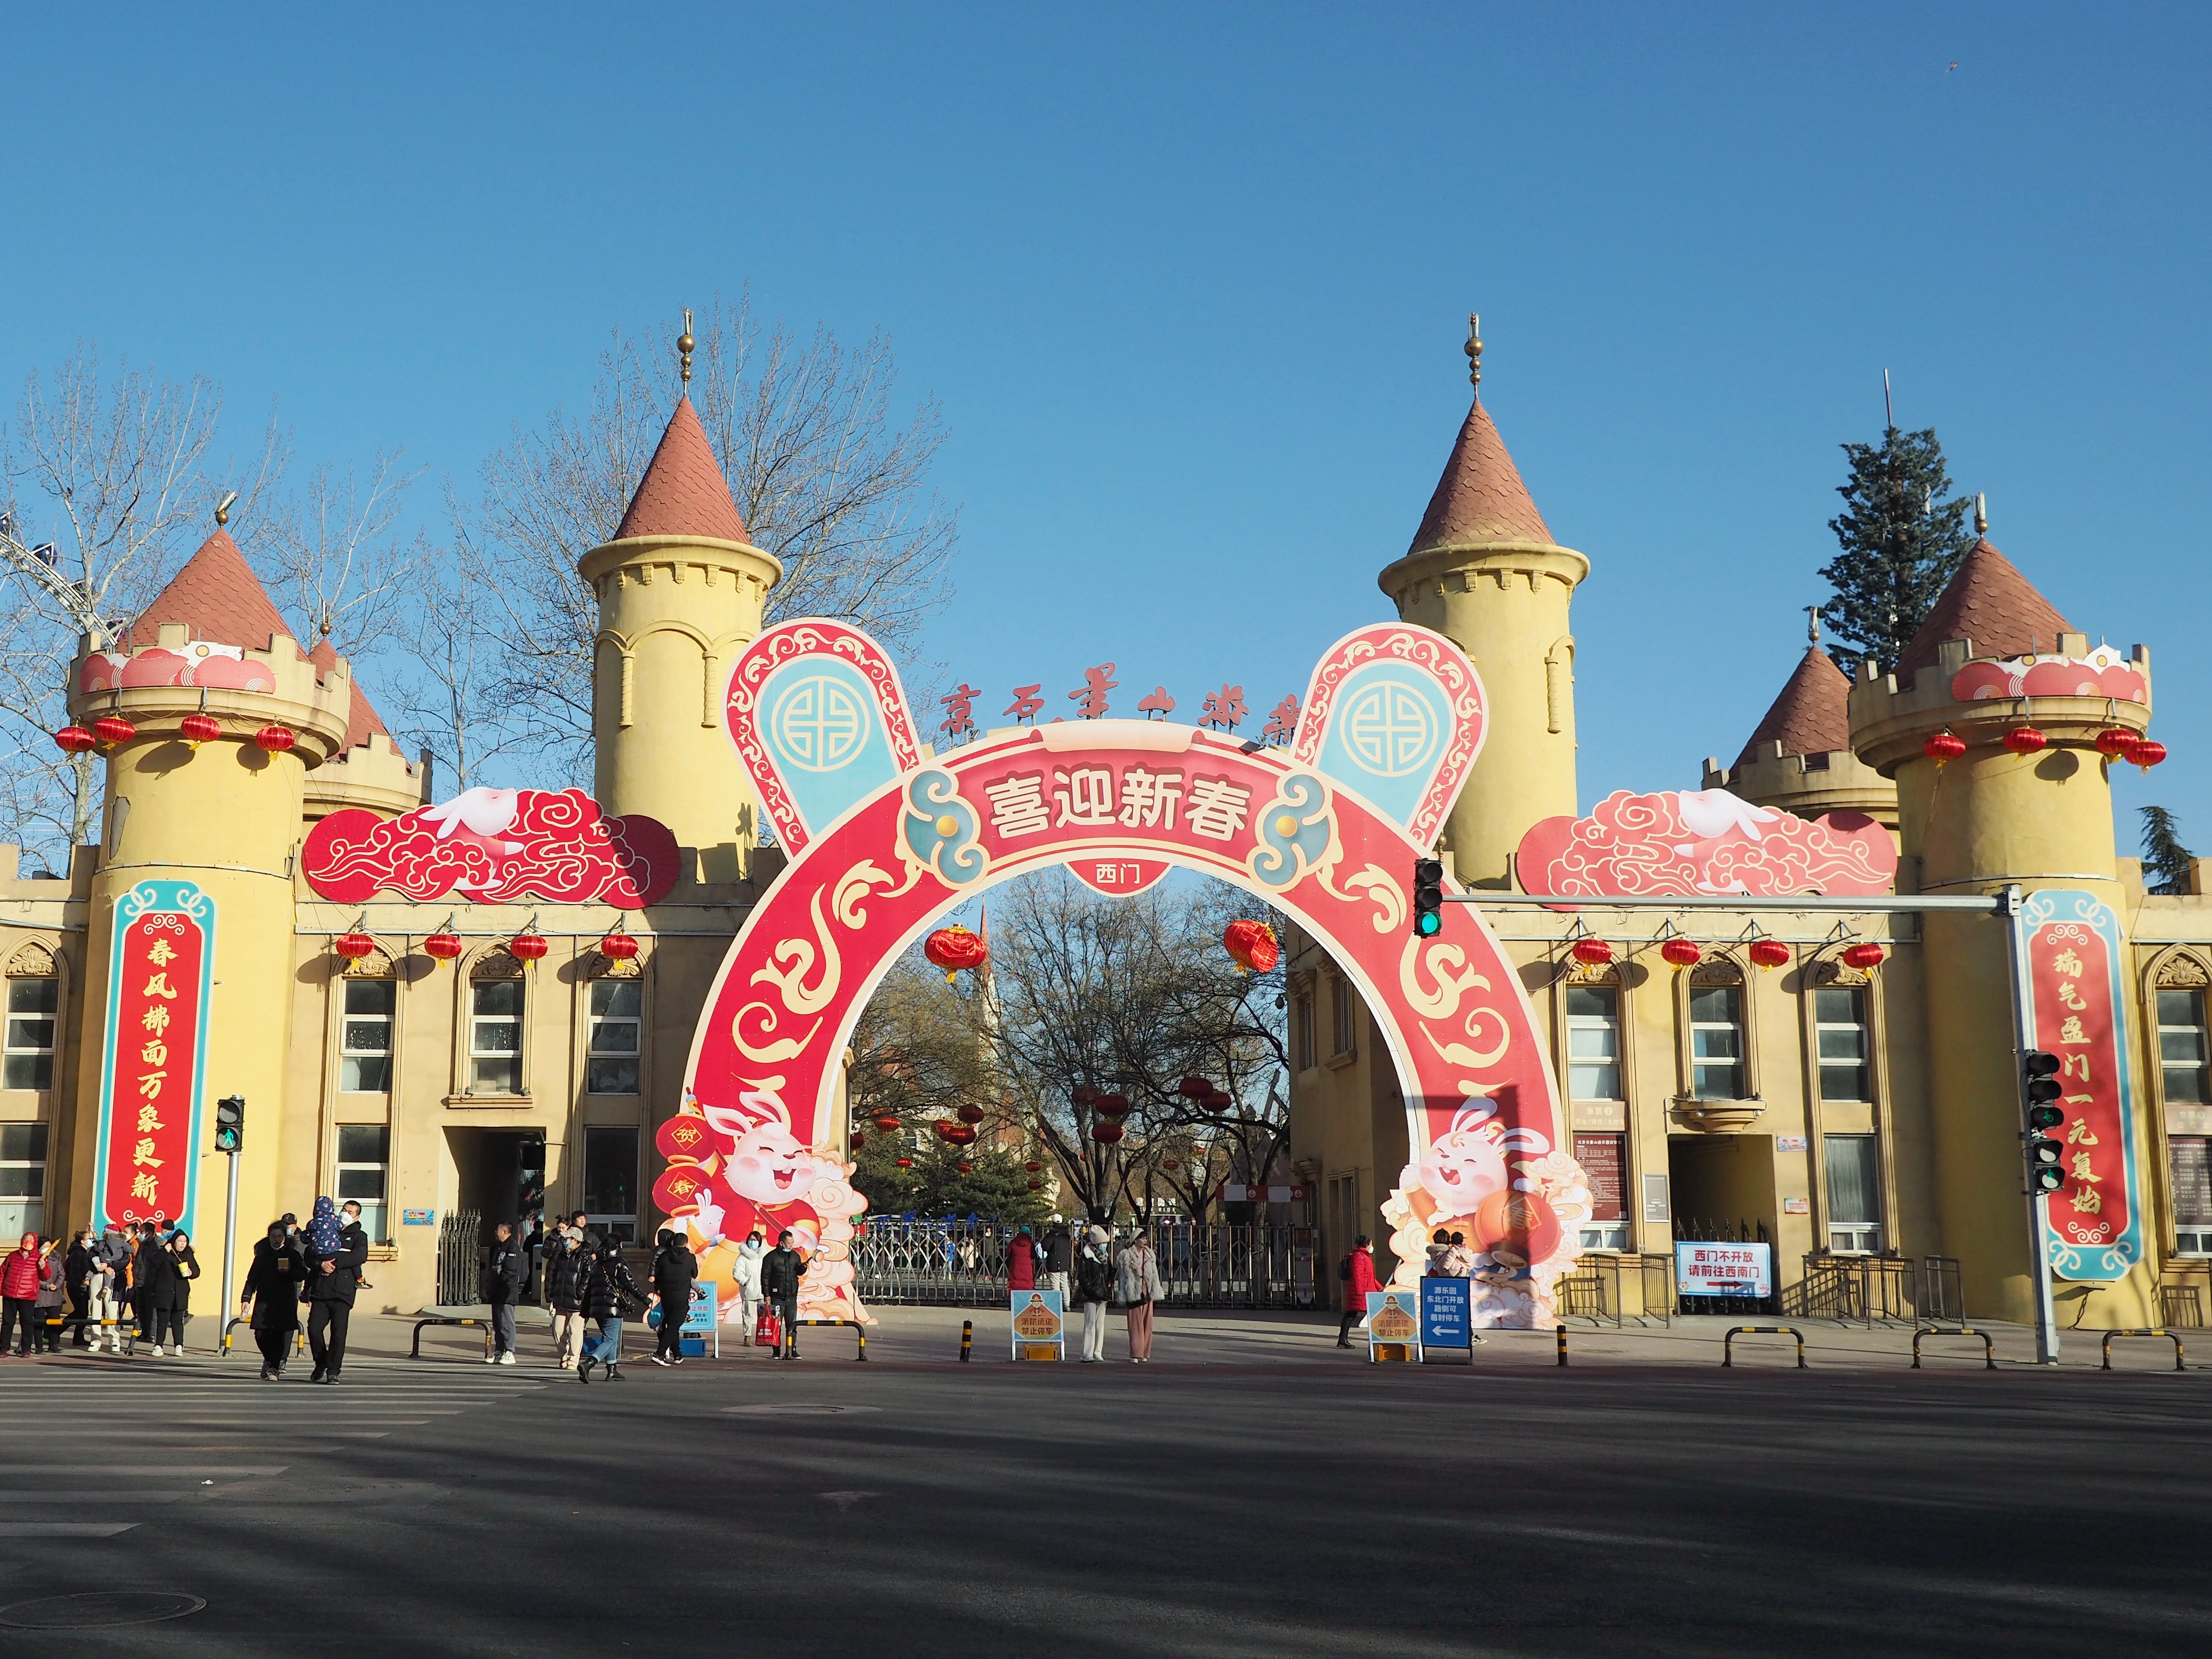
967	1338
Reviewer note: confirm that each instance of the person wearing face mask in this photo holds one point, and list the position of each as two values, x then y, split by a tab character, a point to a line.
564	1294
675	1270
504	1274
336	1250
781	1268
1094	1282
172	1298
607	1281
272	1287
749	1284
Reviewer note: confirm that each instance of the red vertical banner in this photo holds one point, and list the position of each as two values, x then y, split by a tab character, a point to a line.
154	1056
2092	1223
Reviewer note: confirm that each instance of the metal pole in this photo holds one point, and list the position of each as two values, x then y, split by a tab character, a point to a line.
2046	1323
230	1239
1808	904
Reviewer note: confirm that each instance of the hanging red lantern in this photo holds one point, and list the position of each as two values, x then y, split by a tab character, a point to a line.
1592	952
965	1168
1944	747
1083	1094
859	1140
1252	944
2114	743
942	1127
618	946
197	729
1219	1102
1112	1105
888	1123
2024	740
2147	753
1194	1088
970	1114
1036	1186
1169	1165
960	1135
1865	955
112	729
954	948
1033	1166
1106	1134
1682	953
1769	952
906	1163
275	739
75	740
354	947
527	948
442	946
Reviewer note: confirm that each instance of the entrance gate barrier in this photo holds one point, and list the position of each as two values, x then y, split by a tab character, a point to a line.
956	1263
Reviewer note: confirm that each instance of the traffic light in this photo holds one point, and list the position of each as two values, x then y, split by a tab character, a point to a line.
2040	1086
230	1123
1428	896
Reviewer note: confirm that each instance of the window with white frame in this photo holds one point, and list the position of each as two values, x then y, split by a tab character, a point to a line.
1341	1003
365	1037
1840	1038
1717	1069
2192	1193
1854	1194
495	1036
29	1059
2182	1051
610	1062
22	1180
1593	1042
364	1157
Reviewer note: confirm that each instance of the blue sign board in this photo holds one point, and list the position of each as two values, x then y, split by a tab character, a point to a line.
699	1318
1447	1313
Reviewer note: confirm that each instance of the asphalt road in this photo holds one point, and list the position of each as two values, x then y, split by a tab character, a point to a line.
920	1507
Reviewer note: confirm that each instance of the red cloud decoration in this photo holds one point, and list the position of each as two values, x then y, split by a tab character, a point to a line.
199	664
2103	673
495	845
1704	840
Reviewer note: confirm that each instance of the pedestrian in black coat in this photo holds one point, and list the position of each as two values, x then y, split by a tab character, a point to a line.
506	1270
607	1281
272	1285
335	1253
146	1271
79	1268
565	1265
781	1269
675	1270
173	1291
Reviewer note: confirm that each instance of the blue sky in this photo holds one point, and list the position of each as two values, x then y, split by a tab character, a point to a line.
1190	284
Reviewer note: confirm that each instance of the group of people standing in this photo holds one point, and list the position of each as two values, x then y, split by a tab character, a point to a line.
1088	1271
318	1268
138	1278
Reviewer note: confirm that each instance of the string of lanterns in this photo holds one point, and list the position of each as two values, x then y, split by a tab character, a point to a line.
2114	743
528	947
1680	952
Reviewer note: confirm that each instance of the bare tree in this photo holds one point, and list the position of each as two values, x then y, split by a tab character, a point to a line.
450	698
823	476
106	482
335	556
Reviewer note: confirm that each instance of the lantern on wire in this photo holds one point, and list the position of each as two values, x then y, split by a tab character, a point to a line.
197	729
955	948
1769	952
1944	747
1681	952
906	1163
1106	1132
1170	1165
1114	1106
352	947
960	1135
1033	1166
1194	1088
965	1168
1218	1101
1083	1094
1591	952
2113	743
528	948
859	1140
275	739
1036	1186
969	1114
112	729
75	740
942	1127
2147	752
618	946
887	1122
1865	955
1252	944
443	945
2024	740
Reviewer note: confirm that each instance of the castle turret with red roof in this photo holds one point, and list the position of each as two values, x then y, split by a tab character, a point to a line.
1799	757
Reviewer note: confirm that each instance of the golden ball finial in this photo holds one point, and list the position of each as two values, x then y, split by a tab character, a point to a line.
222	507
685	345
1474	348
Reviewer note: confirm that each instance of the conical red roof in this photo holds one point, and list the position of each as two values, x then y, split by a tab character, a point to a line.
1812	714
1991	603
362	723
217	597
683	493
1480	497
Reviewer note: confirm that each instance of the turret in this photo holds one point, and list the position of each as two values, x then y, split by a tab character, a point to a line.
1483	570
1977	821
369	770
1799	758
680	591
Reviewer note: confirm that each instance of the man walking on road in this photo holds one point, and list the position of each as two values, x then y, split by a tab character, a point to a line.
336	1251
565	1265
505	1274
606	1282
781	1268
675	1270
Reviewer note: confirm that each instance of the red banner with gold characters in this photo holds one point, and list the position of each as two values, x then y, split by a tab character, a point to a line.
153	1057
2093	1225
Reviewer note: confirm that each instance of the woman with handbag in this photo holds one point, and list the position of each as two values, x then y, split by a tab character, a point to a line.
749	1284
172	1294
1094	1283
1138	1275
53	1299
272	1285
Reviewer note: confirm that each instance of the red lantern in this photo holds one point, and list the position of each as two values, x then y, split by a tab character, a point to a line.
2147	753
75	740
1943	747
859	1140
441	946
1106	1134
942	1127
113	729
1112	1105
2113	743
2024	740
684	1139
1592	952
1219	1102
1194	1088
1863	956
1033	1166
527	948
906	1163
618	947
1083	1094
1252	944
1769	952
965	1168
354	946
954	948
1169	1165
888	1123
275	739
1682	953
969	1114
960	1135
197	729
1036	1186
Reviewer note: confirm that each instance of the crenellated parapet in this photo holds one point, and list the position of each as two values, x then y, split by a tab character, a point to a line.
157	687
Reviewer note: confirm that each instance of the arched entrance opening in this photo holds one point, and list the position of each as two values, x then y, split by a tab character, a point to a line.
884	841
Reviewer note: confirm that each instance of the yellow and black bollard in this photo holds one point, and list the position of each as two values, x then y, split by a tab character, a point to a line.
1563	1344
967	1338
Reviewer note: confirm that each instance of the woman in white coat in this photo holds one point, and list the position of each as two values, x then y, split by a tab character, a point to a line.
749	1283
1138	1274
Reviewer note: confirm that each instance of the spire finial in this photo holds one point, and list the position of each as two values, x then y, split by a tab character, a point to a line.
1981	513
222	508
1812	623
683	345
1473	349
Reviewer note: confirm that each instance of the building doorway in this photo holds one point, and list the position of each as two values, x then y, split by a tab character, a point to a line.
1723	1185
499	1173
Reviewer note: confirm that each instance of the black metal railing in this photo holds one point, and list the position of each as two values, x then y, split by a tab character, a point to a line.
460	1267
1203	1264
1693	1230
1868	1290
1942	1296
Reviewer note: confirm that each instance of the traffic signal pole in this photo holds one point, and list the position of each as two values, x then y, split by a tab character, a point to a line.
229	1240
2038	1246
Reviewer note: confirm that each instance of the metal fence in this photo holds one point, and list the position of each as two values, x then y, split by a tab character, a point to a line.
1869	1289
962	1263
461	1265
1691	1230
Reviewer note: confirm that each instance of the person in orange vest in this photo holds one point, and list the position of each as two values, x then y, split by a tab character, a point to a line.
1357	1272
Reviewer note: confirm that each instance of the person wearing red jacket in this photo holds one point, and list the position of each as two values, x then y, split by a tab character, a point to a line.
19	1293
1358	1277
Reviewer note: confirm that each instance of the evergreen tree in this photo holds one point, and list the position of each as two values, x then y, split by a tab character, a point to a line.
1902	537
2165	859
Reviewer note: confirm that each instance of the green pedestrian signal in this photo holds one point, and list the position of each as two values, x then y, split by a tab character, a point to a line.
2040	1087
1428	896
230	1123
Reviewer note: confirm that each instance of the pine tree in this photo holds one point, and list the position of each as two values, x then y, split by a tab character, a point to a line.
2165	859
1902	537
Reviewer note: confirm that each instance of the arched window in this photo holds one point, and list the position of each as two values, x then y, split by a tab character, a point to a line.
1719	1063
33	1007
364	1023
2178	998
495	1026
